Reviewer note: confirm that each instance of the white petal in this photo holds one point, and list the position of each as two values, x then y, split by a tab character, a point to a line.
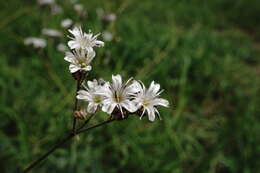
73	68
135	87
73	44
154	88
160	102
92	107
69	57
99	43
83	95
91	55
92	84
87	68
129	105
117	81
151	113
108	108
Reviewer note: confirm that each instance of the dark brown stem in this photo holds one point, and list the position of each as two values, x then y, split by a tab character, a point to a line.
76	106
59	144
36	162
97	125
86	122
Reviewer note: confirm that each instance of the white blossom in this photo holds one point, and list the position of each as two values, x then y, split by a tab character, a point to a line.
148	99
110	17
80	60
82	40
90	95
78	7
46	2
51	32
62	47
118	95
107	36
35	42
66	23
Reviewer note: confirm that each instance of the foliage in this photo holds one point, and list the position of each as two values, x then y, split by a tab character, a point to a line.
205	54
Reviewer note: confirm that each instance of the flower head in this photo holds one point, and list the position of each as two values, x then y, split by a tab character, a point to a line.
51	32
118	95
90	95
82	40
148	99
35	42
80	60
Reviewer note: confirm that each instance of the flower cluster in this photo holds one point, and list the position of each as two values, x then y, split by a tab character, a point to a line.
115	97
82	53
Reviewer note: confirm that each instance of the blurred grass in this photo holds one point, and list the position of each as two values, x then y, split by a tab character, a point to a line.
205	54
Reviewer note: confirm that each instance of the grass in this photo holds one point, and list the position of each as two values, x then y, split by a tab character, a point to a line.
205	54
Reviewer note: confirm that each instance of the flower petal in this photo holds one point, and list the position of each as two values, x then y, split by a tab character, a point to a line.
108	108
160	102
87	68
129	105
154	88
69	57
73	68
116	81
92	107
99	43
151	113
83	95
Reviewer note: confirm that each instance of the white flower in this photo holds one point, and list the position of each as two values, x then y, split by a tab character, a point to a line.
66	23
80	60
46	2
51	32
62	47
78	8
83	40
110	17
36	42
118	95
107	36
148	99
90	95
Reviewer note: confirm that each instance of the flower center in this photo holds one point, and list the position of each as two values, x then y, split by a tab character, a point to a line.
97	99
118	97
146	102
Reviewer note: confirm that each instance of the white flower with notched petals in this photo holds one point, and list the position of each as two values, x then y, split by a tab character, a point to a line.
80	60
82	40
90	95
118	95
148	99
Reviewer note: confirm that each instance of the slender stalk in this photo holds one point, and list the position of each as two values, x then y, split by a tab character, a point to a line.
76	106
83	125
37	161
97	125
59	144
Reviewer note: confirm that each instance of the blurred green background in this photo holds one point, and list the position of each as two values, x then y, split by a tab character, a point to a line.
205	54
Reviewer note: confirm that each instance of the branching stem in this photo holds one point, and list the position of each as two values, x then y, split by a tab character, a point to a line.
59	144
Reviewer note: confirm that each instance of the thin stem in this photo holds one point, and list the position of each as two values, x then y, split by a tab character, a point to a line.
76	106
85	123
59	144
36	162
97	125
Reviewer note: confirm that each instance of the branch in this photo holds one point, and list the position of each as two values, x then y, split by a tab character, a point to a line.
36	162
76	106
59	144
